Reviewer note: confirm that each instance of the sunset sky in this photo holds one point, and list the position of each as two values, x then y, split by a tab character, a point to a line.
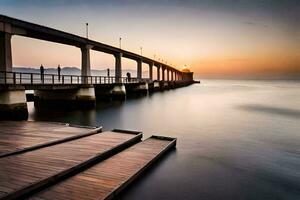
214	38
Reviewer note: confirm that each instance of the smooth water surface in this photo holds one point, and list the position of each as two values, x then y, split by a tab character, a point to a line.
236	139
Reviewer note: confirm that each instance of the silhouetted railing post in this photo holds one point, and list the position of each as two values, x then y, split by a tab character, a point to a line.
63	79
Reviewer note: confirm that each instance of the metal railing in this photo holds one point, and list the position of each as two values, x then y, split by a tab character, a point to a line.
21	78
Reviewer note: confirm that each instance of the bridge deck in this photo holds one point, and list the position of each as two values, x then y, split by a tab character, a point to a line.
23	173
17	137
107	178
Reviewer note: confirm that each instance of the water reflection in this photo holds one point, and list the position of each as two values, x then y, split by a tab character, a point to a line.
271	110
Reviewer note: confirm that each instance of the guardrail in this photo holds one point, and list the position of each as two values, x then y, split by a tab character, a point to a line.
20	78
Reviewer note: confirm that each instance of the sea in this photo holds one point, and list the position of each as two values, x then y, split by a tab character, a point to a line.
236	139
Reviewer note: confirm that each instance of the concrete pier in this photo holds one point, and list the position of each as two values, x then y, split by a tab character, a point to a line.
109	92
136	89
13	103
81	98
75	91
164	85
153	86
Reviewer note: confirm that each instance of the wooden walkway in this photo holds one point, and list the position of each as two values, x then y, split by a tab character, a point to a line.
107	178
42	160
16	137
23	173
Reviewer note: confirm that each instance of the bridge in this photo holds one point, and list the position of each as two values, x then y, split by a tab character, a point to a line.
82	88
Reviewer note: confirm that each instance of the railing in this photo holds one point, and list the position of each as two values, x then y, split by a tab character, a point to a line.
20	78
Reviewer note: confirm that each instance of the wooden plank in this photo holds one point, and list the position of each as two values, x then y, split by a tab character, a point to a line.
107	178
24	173
18	137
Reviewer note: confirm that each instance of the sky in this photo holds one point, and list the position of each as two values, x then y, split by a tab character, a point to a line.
213	38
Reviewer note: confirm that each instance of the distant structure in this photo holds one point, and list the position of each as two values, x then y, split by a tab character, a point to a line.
188	75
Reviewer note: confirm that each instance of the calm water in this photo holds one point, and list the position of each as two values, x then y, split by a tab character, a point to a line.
236	139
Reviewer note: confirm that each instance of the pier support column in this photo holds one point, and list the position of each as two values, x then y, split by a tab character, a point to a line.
136	89
172	75
85	62
118	67
158	72
13	104
168	72
151	71
5	52
139	69
163	73
109	92
82	97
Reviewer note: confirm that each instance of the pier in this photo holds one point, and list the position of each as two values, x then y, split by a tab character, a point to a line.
79	91
82	163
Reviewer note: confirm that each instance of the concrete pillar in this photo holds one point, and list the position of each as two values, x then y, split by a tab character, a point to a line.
137	89
79	98
85	61
118	67
172	75
116	91
168	77
5	52
151	71
139	68
163	73
13	104
158	72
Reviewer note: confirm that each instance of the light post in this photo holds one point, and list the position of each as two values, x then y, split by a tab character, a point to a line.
141	48
87	30
120	43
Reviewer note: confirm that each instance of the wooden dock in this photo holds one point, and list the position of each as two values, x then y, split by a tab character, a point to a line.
94	166
26	135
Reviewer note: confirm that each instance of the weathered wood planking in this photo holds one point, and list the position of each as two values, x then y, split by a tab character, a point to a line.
107	178
24	173
21	136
